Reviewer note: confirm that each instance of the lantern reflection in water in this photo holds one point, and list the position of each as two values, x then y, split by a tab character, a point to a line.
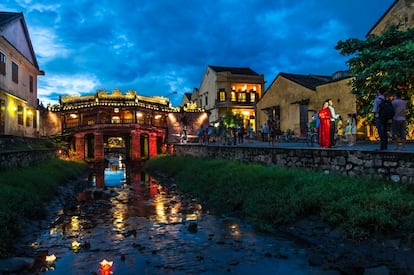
50	262
75	246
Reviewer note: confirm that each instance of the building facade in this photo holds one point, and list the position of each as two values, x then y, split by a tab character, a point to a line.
400	13
292	99
229	89
19	114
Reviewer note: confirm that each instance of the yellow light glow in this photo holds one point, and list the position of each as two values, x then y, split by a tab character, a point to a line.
50	259
246	113
139	114
106	265
75	246
73	115
157	116
74	223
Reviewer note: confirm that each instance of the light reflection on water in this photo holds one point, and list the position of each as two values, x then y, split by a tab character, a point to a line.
128	218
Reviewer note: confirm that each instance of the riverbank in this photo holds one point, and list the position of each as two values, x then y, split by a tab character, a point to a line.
24	194
351	226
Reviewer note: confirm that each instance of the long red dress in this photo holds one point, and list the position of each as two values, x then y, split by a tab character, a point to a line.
324	127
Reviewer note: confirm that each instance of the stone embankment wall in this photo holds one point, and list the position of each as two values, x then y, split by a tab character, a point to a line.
9	160
394	166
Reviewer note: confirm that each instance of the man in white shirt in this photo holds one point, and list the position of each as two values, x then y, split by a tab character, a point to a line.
333	125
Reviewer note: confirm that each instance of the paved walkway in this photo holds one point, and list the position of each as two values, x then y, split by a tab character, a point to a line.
360	145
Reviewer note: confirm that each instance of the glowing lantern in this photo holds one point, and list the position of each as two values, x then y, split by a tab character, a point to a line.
75	246
50	259
106	267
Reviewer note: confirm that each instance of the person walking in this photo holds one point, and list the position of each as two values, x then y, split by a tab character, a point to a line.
334	116
399	120
354	128
340	130
348	130
325	116
265	132
379	122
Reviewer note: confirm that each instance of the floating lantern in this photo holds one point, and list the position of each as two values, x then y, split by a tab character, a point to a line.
75	246
106	267
50	259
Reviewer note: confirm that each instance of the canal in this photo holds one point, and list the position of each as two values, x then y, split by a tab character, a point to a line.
143	226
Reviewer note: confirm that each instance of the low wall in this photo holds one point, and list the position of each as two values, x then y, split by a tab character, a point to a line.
9	160
394	166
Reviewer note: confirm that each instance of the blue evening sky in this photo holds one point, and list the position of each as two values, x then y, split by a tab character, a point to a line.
161	47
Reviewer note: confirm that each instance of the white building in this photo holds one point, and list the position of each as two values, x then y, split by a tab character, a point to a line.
19	115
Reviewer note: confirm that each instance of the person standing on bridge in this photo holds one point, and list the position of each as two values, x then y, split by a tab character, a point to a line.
325	116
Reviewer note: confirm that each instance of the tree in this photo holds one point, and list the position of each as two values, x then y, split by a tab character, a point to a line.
385	60
230	119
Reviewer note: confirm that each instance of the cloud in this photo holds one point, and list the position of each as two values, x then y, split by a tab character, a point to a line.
53	85
160	47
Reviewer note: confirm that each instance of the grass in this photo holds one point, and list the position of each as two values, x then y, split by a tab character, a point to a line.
25	191
268	196
22	145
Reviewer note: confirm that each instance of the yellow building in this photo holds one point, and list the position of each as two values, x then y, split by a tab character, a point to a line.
401	12
19	115
231	89
292	99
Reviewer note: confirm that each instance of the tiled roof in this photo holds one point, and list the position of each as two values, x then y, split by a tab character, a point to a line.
6	17
308	81
234	70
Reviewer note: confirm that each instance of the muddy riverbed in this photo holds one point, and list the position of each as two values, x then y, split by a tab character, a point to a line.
147	227
144	227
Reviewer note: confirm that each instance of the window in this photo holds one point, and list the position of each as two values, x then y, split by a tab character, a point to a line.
233	96
222	95
28	118
2	64
20	114
252	97
206	100
242	97
31	84
15	72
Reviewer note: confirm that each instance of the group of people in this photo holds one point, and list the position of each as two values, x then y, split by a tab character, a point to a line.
271	131
398	124
331	124
332	128
327	128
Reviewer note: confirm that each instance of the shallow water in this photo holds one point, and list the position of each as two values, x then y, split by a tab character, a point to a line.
144	227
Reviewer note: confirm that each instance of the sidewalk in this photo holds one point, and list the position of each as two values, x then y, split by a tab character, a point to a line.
360	145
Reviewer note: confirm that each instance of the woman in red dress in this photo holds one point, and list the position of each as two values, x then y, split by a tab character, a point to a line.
325	126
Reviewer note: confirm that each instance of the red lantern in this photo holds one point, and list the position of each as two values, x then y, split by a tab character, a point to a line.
106	267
